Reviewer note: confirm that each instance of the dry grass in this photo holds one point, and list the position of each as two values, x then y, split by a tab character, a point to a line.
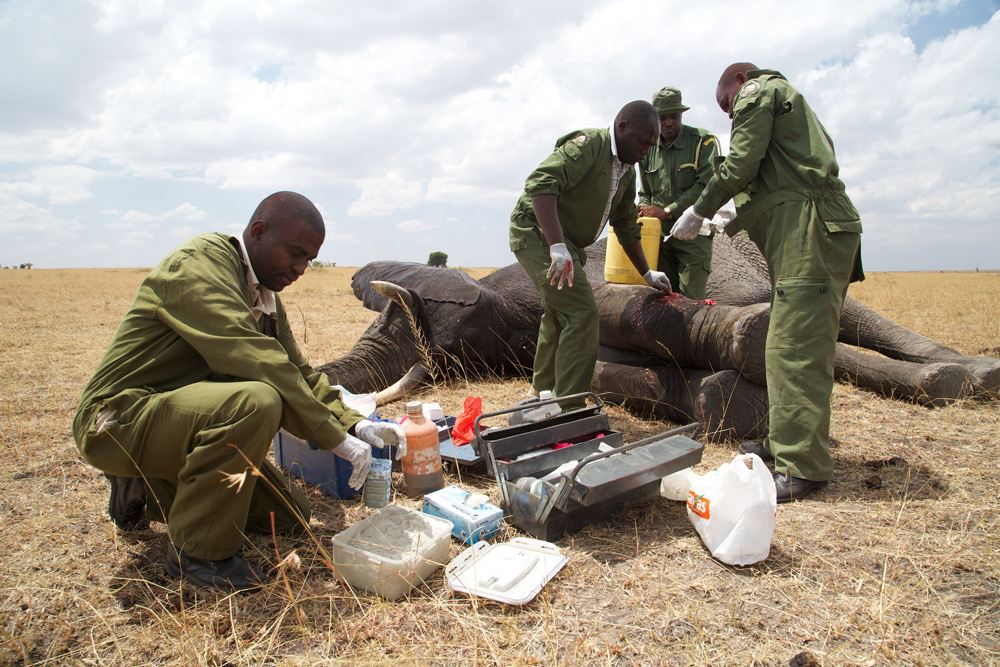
896	565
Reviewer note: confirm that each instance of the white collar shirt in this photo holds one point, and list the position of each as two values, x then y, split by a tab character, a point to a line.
617	171
264	301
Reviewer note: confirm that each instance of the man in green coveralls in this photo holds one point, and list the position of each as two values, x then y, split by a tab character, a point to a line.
199	376
671	177
586	182
782	172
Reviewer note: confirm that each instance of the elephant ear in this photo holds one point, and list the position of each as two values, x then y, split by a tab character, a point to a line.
430	282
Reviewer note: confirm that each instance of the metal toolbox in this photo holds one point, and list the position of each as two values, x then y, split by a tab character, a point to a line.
600	484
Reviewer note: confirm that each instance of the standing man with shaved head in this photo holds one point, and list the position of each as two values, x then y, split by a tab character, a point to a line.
783	173
199	376
585	183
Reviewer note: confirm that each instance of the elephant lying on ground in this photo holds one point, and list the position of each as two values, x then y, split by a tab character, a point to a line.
662	354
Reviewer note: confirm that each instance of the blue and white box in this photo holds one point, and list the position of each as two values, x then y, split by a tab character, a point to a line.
470	522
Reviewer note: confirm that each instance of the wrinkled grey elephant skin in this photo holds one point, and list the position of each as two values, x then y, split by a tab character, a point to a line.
663	355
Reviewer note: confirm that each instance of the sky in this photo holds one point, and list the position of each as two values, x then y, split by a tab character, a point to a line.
127	127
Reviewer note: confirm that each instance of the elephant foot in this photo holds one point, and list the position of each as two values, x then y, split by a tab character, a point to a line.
942	384
984	374
746	345
729	407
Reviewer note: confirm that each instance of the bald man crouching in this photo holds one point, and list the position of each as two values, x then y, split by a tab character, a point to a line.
201	373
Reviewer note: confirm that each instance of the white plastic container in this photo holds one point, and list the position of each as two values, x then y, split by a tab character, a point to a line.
392	551
513	572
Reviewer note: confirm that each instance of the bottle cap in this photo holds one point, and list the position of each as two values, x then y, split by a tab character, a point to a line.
414	408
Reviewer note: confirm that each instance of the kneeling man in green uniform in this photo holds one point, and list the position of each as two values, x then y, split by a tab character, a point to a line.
783	174
671	177
200	375
586	182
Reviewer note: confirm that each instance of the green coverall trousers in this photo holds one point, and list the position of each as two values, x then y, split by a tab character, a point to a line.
568	333
810	269
184	442
687	264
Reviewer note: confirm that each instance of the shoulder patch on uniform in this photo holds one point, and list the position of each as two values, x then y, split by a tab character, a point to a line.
580	140
709	139
749	89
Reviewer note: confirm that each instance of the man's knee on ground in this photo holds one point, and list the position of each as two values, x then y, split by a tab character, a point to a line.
261	402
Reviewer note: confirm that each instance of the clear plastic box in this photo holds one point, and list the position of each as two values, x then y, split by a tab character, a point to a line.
392	551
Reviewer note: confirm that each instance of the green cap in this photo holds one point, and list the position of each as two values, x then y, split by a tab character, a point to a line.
668	100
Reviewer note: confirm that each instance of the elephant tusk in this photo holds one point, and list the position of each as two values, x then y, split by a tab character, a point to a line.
394	293
403	386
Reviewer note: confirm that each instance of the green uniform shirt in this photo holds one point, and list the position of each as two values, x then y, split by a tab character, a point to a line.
673	175
192	321
778	152
578	173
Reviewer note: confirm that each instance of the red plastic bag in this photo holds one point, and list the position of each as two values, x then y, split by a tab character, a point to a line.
462	433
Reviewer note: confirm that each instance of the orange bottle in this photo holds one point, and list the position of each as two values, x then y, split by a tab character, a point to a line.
422	463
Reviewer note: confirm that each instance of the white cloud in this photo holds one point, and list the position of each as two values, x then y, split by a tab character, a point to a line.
414	226
437	112
185	212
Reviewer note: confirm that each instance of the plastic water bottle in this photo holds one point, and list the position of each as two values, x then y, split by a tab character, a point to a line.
422	464
378	483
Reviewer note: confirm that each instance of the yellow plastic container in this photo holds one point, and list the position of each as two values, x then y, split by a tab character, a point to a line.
618	267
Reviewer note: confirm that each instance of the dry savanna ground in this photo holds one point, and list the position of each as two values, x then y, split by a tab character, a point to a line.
891	565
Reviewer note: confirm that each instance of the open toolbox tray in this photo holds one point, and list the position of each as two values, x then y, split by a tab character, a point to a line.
601	484
585	427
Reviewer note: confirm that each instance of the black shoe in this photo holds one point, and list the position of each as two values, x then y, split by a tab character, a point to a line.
127	505
793	488
751	447
229	575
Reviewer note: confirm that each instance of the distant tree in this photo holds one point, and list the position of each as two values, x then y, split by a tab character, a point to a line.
317	263
437	259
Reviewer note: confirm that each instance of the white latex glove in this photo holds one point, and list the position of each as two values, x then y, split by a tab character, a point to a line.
380	434
688	225
723	217
561	268
657	279
359	454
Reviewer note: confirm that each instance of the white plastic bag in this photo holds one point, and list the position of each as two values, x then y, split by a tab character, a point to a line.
677	485
733	510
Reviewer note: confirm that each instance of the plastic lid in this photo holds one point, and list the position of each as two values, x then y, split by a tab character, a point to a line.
513	572
414	408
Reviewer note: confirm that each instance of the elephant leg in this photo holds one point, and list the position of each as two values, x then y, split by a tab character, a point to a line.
933	384
682	332
727	406
862	326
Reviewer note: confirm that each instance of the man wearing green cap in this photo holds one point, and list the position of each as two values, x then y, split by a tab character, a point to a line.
585	183
782	172
671	176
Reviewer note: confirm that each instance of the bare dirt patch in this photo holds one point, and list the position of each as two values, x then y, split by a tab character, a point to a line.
897	562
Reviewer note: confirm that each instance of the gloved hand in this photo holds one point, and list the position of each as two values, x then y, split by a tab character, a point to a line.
658	280
359	454
380	434
688	225
561	268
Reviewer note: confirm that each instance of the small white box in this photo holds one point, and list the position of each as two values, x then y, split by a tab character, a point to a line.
391	551
433	411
